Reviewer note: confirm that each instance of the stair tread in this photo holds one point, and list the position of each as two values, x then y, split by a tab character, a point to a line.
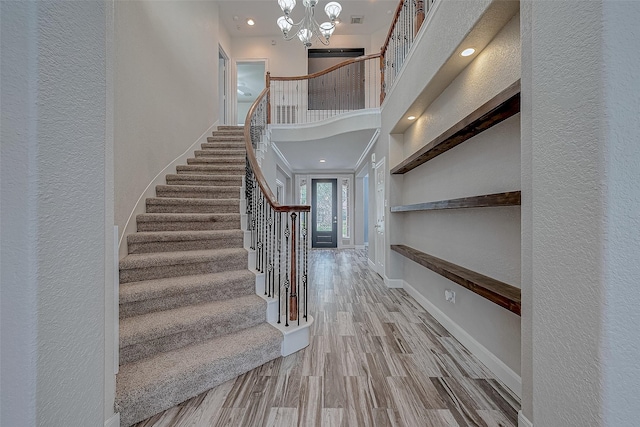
204	176
222	167
184	216
222	151
169	286
172	236
145	260
147	386
204	188
191	200
221	159
150	326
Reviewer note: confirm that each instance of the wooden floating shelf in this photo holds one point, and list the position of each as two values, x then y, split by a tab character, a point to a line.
500	293
497	109
511	198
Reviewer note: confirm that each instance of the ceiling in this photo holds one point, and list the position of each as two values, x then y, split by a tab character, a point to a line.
234	13
341	152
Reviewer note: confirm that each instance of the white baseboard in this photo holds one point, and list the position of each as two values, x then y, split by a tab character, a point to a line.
114	421
359	246
150	191
394	283
495	365
523	421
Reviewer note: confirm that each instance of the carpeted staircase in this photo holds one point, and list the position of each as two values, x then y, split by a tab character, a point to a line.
189	315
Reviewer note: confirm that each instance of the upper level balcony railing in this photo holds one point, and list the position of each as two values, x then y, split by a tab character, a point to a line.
349	86
407	21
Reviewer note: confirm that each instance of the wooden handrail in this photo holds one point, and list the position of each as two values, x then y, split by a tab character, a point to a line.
255	167
328	70
383	49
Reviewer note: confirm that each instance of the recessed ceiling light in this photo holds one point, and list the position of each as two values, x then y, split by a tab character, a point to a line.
468	52
411	118
322	160
251	22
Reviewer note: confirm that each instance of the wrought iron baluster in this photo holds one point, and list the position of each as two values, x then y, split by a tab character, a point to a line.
279	264
306	260
293	295
287	234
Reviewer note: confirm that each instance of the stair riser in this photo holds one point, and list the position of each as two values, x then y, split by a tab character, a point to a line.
187	208
217	161
205	330
189	225
162	271
213	194
215	292
186	180
186	245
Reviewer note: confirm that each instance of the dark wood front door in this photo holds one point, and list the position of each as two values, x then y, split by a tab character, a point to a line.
324	209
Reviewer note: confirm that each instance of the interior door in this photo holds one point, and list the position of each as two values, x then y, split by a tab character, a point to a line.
380	219
324	218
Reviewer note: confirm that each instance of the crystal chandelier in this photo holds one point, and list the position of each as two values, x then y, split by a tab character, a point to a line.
308	26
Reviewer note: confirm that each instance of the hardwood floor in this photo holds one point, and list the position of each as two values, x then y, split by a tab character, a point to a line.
376	358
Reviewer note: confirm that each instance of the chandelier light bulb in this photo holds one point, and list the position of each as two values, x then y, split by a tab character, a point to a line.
287	5
333	9
326	28
284	24
305	36
309	3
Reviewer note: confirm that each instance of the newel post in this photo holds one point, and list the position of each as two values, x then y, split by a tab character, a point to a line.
293	296
268	86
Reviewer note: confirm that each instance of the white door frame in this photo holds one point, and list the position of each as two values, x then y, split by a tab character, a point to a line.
339	177
380	177
223	88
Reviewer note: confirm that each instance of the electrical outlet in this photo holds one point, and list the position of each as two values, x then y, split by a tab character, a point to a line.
450	296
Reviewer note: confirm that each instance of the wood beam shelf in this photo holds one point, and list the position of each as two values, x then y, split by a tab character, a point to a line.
510	198
494	111
500	293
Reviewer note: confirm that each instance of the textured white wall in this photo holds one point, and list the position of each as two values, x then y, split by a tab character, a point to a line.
567	213
165	89
586	238
53	213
